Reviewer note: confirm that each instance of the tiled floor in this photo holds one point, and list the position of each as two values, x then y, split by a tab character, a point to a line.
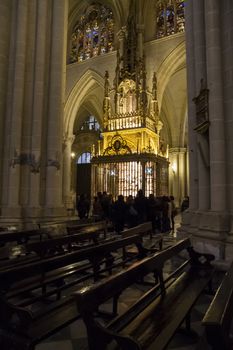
74	337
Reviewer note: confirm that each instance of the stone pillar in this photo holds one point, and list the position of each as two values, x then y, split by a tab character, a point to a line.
5	25
227	74
67	161
216	111
200	73
53	191
193	168
177	173
15	110
39	100
173	185
182	174
26	166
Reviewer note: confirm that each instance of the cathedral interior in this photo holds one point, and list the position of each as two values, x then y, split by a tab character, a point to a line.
110	69
117	96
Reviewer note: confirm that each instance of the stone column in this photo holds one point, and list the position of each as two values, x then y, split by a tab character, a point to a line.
182	174
53	191
216	112
200	73
27	116
173	184
227	64
193	168
177	173
5	25
67	161
39	101
15	110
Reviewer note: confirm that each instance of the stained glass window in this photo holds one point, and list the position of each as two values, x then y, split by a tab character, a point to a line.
169	17
85	158
93	34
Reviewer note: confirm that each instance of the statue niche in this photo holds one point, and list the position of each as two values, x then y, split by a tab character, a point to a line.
127	96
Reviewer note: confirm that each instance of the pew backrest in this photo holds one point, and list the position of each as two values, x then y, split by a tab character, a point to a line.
11	275
141	229
218	317
90	297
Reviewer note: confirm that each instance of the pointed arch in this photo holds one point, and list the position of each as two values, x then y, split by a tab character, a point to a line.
172	84
173	62
83	89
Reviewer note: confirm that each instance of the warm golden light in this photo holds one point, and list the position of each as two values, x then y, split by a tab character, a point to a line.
131	156
174	167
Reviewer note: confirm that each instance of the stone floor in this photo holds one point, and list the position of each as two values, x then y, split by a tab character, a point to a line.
74	337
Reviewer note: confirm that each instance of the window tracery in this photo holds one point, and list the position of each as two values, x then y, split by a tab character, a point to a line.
84	158
93	34
90	123
169	17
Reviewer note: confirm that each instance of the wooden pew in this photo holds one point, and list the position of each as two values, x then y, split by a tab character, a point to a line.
22	322
22	237
100	226
143	230
218	317
12	245
152	320
65	244
27	241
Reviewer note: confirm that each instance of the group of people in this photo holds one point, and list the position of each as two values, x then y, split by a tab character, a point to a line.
131	212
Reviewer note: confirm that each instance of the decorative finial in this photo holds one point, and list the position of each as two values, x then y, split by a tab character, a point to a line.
106	84
154	86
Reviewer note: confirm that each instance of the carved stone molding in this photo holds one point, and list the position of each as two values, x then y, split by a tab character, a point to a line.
54	162
26	159
202	109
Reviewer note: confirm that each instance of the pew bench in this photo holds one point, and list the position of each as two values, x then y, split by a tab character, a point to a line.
65	244
18	246
218	318
24	321
21	237
143	230
151	321
100	226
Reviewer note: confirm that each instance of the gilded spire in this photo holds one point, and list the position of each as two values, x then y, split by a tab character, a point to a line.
154	87
106	84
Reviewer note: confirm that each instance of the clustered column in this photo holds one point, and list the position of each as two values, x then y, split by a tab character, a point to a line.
15	110
200	73
178	174
5	21
67	171
216	112
53	193
33	73
227	76
191	80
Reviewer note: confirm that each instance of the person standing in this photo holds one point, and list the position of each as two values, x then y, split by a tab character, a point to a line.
83	207
173	212
141	207
119	213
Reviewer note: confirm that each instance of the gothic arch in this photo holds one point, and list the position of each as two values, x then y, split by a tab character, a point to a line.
83	90
173	62
172	70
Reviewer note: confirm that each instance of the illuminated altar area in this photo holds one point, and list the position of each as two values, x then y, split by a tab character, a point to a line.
131	155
